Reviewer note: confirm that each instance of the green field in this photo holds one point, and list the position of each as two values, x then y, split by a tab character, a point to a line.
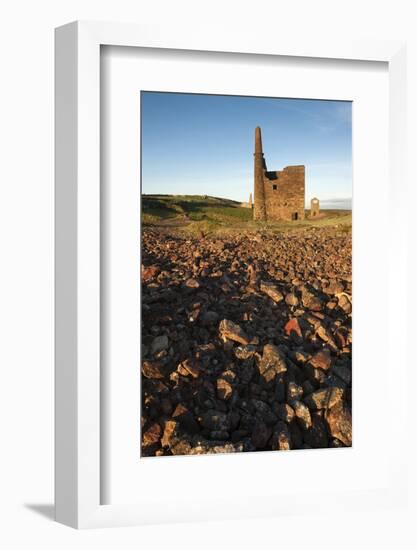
213	214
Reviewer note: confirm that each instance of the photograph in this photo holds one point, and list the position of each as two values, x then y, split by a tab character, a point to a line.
246	274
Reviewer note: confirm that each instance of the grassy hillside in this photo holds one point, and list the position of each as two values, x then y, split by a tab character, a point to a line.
192	208
203	213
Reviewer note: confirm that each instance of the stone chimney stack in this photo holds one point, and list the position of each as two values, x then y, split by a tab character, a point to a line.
250	200
259	212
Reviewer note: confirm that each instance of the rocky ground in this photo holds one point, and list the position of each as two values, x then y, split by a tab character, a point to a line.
246	341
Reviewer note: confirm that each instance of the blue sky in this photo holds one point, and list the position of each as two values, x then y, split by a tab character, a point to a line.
203	144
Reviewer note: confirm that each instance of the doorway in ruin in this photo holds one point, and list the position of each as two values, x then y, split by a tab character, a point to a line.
294	216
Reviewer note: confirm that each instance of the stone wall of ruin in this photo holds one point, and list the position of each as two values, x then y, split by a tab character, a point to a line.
284	193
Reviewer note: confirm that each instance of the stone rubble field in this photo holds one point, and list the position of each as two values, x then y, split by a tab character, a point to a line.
246	341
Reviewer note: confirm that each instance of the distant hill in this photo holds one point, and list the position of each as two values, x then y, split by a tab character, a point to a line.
192	208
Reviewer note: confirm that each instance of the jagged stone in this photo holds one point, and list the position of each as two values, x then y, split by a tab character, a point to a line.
293	327
261	434
224	389
302	414
291	299
152	435
281	437
325	398
272	363
339	421
148	273
272	291
229	330
321	360
153	370
285	412
160	343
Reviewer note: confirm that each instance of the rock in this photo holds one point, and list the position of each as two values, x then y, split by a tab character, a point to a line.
334	287
272	291
316	436
341	338
194	315
215	421
170	433
310	301
185	419
326	337
293	326
152	435
294	391
299	357
291	299
153	370
166	405
333	381
302	414
149	272
344	302
260	434
247	422
285	412
181	447
245	352
272	363
247	373
179	410
192	283
224	389
263	411
160	343
339	422
188	368
296	435
280	388
325	398
308	387
229	375
321	360
281	437
335	443
209	318
316	377
252	274
219	436
344	373
231	331
216	448
238	435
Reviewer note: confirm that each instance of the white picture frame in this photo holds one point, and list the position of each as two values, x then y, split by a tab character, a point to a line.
78	404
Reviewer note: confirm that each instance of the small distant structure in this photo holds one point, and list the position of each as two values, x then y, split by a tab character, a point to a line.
314	208
279	195
248	204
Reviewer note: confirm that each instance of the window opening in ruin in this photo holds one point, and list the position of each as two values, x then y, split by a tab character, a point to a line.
275	187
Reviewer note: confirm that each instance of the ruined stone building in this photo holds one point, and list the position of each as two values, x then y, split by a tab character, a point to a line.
279	195
314	208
